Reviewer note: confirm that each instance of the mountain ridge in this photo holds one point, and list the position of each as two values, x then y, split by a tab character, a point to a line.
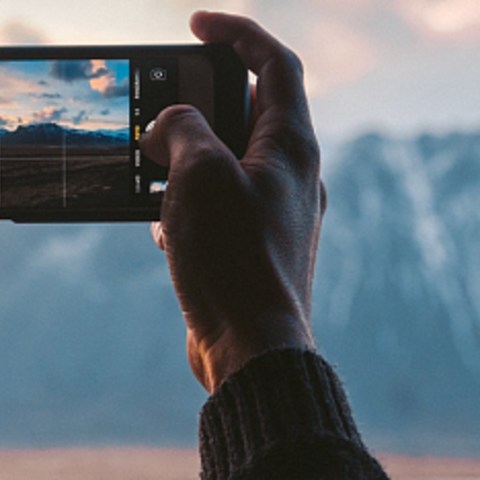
52	134
401	256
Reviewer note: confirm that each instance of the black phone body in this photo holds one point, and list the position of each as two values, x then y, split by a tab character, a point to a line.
71	119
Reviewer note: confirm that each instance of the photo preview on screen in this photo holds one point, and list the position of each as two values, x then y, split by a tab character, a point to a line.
69	132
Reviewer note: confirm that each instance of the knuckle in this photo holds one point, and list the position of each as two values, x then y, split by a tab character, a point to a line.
298	142
311	150
251	25
175	114
206	158
170	126
294	61
206	163
290	62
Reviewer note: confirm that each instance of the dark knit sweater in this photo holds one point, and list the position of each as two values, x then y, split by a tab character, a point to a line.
283	416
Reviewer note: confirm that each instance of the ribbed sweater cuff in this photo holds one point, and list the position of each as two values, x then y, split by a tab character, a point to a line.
282	394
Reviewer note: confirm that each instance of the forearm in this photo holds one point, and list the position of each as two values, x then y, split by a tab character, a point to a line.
284	415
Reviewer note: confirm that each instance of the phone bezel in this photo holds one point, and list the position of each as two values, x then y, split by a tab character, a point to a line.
231	112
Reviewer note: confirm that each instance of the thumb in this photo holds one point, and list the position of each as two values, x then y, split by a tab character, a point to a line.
181	137
203	172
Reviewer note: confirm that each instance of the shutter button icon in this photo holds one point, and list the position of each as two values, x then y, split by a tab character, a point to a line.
149	126
158	74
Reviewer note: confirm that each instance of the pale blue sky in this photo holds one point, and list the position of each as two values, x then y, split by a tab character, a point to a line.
86	94
400	65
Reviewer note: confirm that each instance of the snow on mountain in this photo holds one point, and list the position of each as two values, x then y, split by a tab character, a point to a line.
398	282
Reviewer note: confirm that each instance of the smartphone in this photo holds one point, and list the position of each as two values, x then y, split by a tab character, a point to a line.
71	119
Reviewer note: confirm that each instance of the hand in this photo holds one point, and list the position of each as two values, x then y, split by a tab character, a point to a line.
241	236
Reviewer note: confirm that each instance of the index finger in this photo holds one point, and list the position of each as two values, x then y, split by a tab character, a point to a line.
280	72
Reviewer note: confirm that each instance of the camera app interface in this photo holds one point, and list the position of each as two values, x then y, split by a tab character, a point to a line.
69	132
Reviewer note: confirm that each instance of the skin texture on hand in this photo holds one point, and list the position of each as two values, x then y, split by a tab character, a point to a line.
241	235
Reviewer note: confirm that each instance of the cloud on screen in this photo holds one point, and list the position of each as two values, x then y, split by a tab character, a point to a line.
104	81
81	117
90	93
100	78
71	70
49	114
46	95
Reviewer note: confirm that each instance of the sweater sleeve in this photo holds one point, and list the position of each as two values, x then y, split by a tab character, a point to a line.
284	415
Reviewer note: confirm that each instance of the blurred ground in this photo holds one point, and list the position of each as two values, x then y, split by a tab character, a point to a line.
182	464
99	464
431	468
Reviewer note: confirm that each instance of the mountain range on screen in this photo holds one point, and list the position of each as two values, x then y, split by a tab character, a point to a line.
54	134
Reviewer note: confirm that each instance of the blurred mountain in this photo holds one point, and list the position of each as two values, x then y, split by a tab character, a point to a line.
52	134
398	280
92	342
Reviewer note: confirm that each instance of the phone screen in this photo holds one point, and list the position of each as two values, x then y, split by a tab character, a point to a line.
71	119
69	131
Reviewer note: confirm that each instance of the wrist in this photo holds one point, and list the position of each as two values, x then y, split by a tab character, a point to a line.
234	349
